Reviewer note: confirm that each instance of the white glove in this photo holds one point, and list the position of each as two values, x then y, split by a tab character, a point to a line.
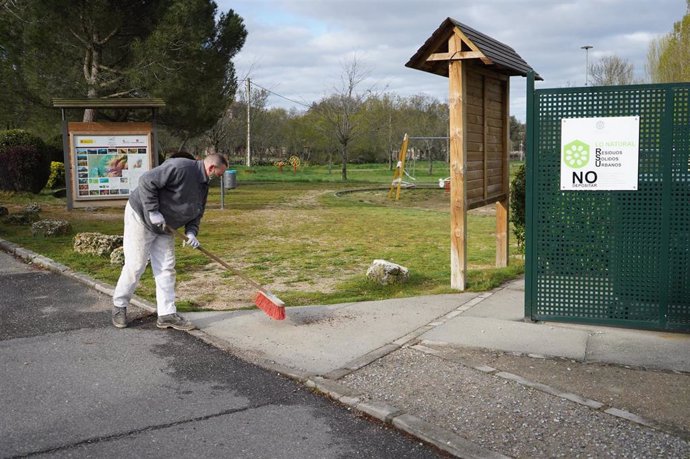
192	241
157	218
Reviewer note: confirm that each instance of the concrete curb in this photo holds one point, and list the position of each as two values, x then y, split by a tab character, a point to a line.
51	265
272	366
443	439
388	414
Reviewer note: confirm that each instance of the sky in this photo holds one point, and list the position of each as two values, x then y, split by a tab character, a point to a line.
298	49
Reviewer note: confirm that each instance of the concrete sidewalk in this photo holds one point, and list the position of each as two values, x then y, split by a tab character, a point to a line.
321	340
415	362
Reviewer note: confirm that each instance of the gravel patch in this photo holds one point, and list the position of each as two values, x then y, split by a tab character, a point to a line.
502	415
659	396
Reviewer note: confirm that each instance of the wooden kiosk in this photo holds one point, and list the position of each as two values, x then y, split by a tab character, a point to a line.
479	69
104	160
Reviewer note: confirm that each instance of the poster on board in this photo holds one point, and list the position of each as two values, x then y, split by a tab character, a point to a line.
108	166
600	153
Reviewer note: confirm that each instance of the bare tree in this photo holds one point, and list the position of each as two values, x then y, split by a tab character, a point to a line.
340	110
611	70
229	133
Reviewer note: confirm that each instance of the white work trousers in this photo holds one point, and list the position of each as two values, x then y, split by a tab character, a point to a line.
140	243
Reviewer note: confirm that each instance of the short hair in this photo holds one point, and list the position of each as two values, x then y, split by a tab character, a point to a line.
216	159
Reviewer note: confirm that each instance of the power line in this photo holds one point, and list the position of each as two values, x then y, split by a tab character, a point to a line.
280	95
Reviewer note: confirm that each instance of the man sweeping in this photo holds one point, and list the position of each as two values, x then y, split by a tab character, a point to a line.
171	195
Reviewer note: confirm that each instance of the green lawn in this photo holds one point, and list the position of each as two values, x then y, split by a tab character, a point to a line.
293	233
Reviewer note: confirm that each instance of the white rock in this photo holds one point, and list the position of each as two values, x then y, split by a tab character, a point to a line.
386	272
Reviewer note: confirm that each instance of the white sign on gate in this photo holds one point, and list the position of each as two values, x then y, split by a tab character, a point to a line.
600	153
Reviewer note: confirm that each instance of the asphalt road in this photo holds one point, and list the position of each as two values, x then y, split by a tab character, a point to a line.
75	386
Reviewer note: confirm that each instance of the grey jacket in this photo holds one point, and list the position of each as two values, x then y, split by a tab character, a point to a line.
178	189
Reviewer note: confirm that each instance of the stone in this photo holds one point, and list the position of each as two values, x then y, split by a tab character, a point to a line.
34	207
96	243
27	216
386	272
117	256
51	228
23	218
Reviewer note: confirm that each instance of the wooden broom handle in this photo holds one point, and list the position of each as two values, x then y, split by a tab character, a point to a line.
219	261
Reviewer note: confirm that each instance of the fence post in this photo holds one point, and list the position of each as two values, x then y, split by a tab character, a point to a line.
666	147
530	159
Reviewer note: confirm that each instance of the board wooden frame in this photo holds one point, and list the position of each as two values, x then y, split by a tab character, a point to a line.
117	135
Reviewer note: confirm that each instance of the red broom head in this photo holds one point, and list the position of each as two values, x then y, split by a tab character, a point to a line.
270	304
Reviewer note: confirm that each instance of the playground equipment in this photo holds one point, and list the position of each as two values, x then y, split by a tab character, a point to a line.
399	170
294	162
407	168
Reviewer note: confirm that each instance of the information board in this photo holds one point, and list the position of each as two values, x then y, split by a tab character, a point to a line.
109	166
106	161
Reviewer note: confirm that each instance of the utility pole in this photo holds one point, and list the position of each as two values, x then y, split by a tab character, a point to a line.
586	48
390	139
249	125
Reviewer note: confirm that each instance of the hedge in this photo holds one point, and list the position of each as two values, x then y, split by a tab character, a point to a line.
25	161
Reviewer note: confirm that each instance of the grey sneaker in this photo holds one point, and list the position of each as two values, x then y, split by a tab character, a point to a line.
119	317
175	321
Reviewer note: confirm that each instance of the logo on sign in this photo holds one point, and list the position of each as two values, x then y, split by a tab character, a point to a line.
576	154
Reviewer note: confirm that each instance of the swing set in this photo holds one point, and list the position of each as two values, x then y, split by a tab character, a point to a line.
401	170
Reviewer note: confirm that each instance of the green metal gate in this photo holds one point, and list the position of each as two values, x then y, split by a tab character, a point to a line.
610	257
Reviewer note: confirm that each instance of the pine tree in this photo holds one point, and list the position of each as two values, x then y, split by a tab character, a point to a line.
178	50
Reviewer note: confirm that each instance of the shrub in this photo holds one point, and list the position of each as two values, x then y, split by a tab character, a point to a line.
23	169
517	206
54	154
54	145
25	162
15	137
57	176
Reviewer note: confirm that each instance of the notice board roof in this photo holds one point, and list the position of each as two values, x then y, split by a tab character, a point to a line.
492	53
130	102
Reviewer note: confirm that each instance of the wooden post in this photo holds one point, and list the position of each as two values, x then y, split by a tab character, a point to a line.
485	139
502	234
458	167
502	207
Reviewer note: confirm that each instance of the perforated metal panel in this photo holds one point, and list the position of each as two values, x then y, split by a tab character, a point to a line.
611	257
